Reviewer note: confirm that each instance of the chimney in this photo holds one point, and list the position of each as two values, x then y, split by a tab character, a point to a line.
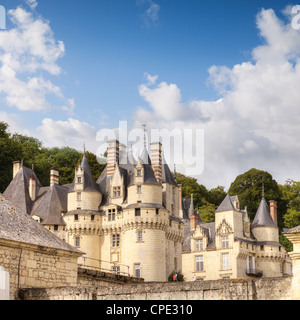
112	156
54	176
32	188
156	160
194	221
273	210
16	167
180	202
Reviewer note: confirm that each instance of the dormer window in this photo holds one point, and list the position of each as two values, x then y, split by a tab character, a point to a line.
79	180
139	172
117	192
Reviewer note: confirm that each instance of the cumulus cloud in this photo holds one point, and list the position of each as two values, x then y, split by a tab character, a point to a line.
25	50
72	132
256	122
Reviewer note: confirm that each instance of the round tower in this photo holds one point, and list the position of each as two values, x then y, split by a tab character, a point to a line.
83	219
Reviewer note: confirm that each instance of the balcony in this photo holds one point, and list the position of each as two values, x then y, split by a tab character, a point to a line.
252	272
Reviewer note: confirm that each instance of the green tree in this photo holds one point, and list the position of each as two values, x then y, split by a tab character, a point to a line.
291	197
248	187
10	151
207	212
216	195
191	186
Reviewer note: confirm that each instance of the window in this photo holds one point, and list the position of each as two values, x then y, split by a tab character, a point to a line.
111	214
140	236
137	270
76	217
116	270
139	189
225	261
157	211
139	172
117	192
92	217
77	241
78	196
199	245
199	263
79	180
137	212
55	227
224	242
116	240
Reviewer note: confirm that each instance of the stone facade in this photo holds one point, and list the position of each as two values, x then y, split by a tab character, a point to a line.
127	221
232	248
242	289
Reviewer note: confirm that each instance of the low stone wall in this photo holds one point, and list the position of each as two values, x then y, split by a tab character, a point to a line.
242	289
87	278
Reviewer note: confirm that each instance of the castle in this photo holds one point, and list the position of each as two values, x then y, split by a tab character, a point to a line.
128	221
133	220
233	248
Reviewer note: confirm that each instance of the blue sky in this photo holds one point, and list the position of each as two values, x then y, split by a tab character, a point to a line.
108	49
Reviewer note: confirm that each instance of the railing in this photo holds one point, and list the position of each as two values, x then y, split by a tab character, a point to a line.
105	266
254	272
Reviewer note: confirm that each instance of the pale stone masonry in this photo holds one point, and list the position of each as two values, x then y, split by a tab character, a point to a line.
33	256
127	221
231	247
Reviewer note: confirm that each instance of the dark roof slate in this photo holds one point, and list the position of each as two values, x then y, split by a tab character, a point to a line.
226	205
263	217
18	189
16	225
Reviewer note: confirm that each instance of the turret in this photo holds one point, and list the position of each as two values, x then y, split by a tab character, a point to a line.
263	226
85	194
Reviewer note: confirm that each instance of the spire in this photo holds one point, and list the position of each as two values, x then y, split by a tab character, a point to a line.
263	217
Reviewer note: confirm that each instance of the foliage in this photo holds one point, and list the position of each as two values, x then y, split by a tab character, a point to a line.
180	276
31	151
249	189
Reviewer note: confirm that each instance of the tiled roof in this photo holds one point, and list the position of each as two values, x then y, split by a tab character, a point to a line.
16	225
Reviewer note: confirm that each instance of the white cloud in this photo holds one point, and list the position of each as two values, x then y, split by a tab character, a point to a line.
26	49
32	3
150	16
72	132
256	123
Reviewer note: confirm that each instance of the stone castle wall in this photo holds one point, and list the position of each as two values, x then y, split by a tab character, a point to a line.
242	289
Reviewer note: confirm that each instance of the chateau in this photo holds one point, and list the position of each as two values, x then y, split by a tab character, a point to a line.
133	220
128	221
232	248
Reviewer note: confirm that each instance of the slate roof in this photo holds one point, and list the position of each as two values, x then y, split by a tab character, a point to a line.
18	226
53	203
226	205
18	192
89	183
167	176
263	217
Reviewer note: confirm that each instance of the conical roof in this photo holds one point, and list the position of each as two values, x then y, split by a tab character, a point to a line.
167	176
89	183
263	217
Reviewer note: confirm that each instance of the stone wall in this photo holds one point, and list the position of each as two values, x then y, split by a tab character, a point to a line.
35	266
243	289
